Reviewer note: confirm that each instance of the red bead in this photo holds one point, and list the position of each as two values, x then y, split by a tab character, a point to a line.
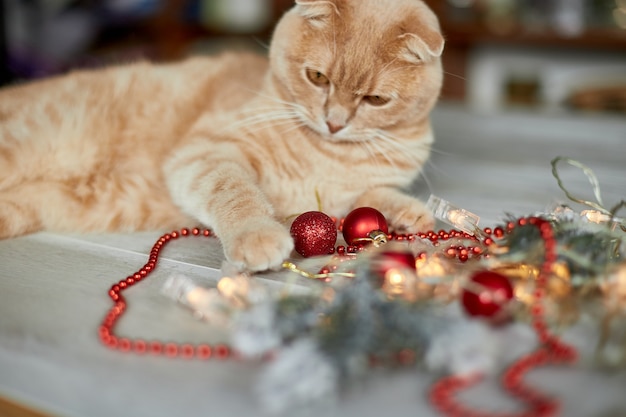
406	357
487	293
361	222
140	346
204	351
195	231
112	342
184	232
124	345
222	351
314	234
156	347
171	350
187	351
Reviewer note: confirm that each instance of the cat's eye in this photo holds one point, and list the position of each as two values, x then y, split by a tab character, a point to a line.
376	100
317	78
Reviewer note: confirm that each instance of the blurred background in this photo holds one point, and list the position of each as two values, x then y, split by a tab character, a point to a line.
546	55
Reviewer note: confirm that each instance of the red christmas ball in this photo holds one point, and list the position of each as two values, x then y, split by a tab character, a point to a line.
361	222
314	234
487	294
384	261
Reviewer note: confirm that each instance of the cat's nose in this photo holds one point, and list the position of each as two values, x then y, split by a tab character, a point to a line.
333	127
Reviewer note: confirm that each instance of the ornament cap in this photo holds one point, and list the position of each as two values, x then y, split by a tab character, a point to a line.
378	237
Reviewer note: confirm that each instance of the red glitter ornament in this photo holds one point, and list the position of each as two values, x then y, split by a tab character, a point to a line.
314	234
364	224
487	294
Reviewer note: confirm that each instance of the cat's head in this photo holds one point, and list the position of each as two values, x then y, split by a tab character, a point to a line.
354	67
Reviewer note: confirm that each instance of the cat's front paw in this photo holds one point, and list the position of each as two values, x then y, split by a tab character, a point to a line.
404	213
408	215
258	245
411	218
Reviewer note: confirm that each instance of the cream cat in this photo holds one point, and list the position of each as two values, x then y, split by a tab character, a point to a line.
236	142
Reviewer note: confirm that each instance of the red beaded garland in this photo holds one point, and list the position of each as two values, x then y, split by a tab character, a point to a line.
444	391
139	346
554	351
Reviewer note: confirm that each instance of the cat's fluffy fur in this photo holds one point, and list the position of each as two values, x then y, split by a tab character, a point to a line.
234	142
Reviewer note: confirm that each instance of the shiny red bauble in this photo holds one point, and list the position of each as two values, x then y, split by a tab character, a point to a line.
384	261
487	294
361	222
314	234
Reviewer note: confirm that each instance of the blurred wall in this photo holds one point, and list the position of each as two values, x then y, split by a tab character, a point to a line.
548	55
543	54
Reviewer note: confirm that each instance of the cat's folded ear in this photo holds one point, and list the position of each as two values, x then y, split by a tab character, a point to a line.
422	43
318	12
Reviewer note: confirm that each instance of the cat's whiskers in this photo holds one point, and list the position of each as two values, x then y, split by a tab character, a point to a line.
383	151
277	100
460	77
367	146
300	113
426	147
387	145
296	124
259	118
398	142
383	70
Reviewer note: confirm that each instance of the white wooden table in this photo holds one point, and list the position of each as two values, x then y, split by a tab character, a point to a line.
53	291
